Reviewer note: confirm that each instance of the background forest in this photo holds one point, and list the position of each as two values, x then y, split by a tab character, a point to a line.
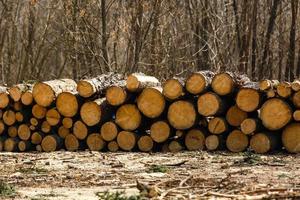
47	39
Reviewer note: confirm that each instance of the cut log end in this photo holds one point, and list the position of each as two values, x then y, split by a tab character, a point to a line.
248	99
67	122
63	131
90	113
15	93
296	85
296	99
67	104
12	131
4	100
209	104
237	141
45	127
260	143
196	83
113	146
109	131
85	89
128	117
296	115
11	144
291	138
126	140
212	142
151	102
53	117
284	89
182	115
194	140
172	89
27	98
132	83
160	131
9	117
95	142
36	138
38	111
43	94
71	142
24	146
217	125
222	84
249	126
115	95
275	114
267	84
80	130
235	116
24	132
2	127
145	143
50	143
174	146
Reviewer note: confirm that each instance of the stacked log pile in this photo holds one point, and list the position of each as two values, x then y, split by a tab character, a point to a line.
111	112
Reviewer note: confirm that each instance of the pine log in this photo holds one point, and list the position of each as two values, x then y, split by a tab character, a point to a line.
145	143
195	139
137	82
284	89
4	100
80	130
24	146
45	127
89	87
268	84
182	115
38	111
237	141
160	131
296	85
173	88
296	99
291	138
37	137
116	95
71	142
151	102
175	146
24	132
250	126
210	104
44	93
126	140
235	116
275	114
128	117
67	104
9	117
248	97
19	117
67	122
223	83
12	131
51	143
11	144
264	142
2	127
215	142
95	142
217	125
109	131
296	115
113	146
199	82
96	111
27	98
53	117
15	92
63	132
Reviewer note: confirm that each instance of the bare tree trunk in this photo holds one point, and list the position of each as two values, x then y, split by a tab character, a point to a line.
254	51
104	35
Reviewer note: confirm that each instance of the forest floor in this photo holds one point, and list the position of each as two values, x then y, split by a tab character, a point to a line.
121	176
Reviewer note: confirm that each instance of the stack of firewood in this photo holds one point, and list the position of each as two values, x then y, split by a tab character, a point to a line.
136	113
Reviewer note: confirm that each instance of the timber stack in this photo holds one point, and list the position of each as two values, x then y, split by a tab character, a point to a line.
112	112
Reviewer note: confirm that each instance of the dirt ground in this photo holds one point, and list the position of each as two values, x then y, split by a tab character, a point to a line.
186	175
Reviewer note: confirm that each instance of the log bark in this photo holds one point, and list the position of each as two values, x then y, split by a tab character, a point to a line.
182	115
95	142
264	142
145	143
136	82
109	131
67	104
126	140
80	130
44	93
235	116
217	125
250	126
51	143
160	131
199	82
291	138
210	104
173	89
237	141
151	102
53	117
128	117
195	139
98	85
275	114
